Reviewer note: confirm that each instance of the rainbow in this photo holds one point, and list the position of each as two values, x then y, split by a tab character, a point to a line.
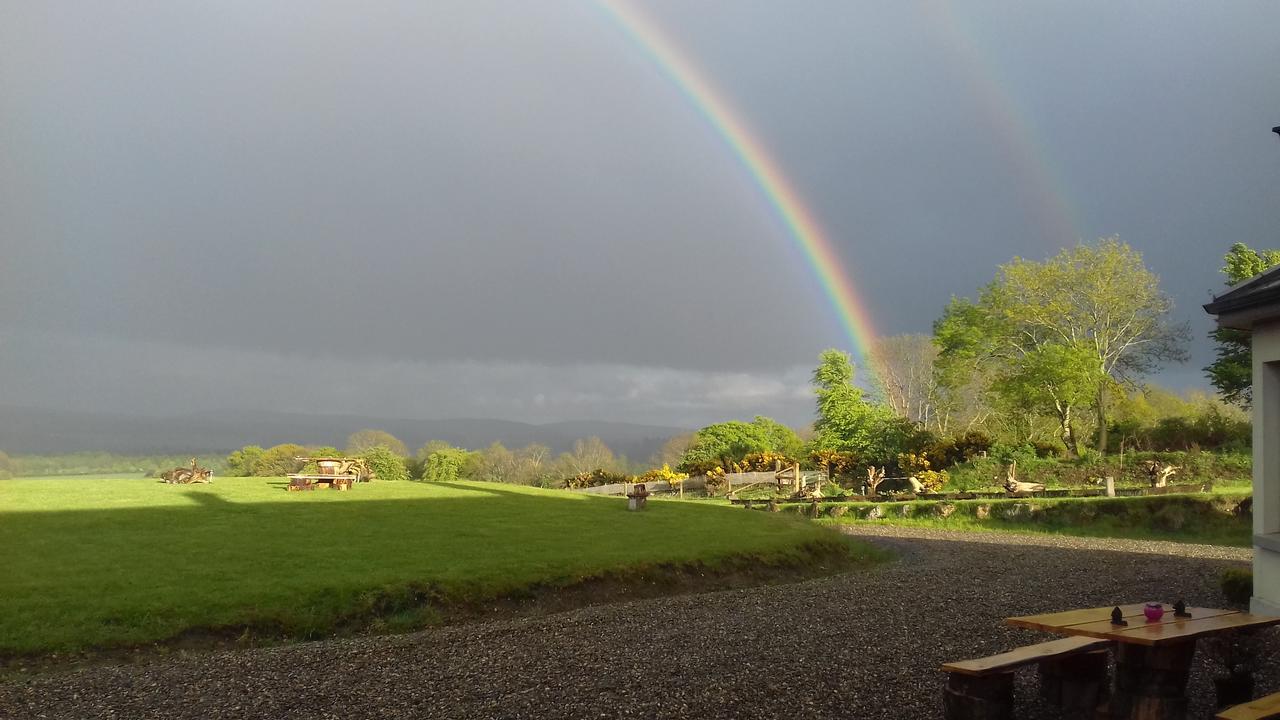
1054	211
802	227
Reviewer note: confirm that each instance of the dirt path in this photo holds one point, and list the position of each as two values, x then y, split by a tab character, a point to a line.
860	645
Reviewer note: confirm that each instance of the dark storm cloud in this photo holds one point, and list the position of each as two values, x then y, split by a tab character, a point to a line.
508	201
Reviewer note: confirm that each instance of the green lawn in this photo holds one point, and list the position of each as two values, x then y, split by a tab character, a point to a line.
97	563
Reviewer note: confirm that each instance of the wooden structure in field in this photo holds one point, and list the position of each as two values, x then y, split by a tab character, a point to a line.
337	473
188	475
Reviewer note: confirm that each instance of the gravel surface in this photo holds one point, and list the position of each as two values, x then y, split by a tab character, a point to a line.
860	645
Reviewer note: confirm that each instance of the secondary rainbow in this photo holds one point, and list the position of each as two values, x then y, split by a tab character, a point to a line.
1048	193
802	227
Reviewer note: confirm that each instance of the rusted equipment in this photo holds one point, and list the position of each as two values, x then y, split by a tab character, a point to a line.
354	468
188	475
638	497
335	473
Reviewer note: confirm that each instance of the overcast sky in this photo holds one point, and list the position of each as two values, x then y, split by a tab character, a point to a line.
506	210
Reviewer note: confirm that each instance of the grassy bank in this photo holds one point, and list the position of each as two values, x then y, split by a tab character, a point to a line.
1217	519
92	564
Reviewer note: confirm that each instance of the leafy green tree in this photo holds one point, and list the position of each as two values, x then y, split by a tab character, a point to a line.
446	464
279	460
723	444
1099	297
363	440
846	422
1232	371
782	439
385	463
1053	379
241	462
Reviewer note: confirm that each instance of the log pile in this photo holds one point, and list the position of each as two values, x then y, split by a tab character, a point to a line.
188	475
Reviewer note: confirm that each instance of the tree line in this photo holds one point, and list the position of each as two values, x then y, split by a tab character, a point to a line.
1048	359
439	461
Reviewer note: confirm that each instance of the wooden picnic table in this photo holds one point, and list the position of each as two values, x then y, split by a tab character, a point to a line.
1153	658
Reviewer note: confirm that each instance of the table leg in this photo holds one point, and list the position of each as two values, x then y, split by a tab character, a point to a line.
1151	681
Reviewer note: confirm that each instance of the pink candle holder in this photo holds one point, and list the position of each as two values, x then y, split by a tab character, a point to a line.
1154	611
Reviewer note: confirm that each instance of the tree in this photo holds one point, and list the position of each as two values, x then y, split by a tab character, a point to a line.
904	367
723	444
445	464
534	465
1232	371
385	463
279	460
495	463
781	438
1097	297
241	462
1054	378
6	466
846	422
588	454
362	440
673	450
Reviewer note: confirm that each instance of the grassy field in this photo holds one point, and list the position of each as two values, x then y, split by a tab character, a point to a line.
102	563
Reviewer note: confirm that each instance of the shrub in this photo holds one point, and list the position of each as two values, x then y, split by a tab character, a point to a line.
715	480
279	460
384	463
932	480
1237	585
595	478
945	453
765	461
662	474
1049	449
243	462
917	466
445	464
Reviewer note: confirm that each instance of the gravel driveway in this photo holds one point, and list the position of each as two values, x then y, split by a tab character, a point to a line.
861	645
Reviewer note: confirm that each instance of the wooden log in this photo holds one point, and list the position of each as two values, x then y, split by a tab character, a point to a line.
1151	681
978	697
1075	682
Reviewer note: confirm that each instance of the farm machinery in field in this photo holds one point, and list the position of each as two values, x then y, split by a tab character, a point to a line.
337	473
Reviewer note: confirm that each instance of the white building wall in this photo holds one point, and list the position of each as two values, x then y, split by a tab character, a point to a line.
1266	469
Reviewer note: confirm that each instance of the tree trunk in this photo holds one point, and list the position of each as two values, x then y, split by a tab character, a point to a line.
1068	434
1102	418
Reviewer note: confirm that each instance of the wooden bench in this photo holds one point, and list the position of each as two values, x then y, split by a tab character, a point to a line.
1072	670
1264	708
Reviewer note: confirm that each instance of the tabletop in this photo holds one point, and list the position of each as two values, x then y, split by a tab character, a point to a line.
1096	622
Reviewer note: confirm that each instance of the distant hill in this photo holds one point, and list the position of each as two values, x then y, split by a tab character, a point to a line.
37	431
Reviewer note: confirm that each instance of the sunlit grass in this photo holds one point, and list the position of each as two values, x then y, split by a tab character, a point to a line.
106	562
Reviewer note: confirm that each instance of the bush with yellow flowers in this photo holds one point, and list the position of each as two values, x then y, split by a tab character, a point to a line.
765	461
663	474
917	466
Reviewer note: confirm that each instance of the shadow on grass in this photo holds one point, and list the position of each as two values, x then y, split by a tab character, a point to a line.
321	563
